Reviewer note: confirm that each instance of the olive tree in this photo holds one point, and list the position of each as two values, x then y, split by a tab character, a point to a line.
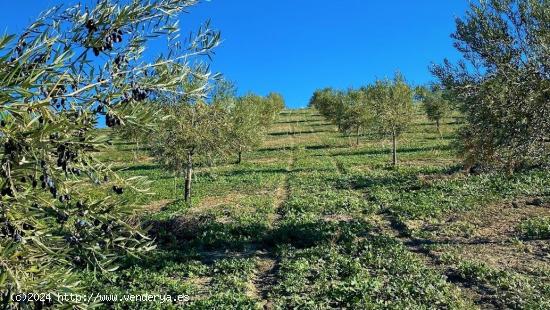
274	103
330	103
358	113
61	208
435	104
246	127
503	83
249	119
393	103
189	130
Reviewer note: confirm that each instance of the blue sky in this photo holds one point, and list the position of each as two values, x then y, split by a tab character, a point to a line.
296	46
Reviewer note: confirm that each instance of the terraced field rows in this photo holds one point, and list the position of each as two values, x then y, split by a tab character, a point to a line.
311	221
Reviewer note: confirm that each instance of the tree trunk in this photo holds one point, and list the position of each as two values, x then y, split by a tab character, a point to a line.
394	149
240	157
188	177
438	127
357	142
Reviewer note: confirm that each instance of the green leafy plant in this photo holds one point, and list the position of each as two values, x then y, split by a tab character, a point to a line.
535	228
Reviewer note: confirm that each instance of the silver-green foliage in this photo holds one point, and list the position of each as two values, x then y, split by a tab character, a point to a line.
61	207
503	83
190	129
435	103
250	117
384	108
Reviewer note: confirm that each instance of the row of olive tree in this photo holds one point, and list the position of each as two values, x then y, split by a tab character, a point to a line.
384	108
197	130
61	207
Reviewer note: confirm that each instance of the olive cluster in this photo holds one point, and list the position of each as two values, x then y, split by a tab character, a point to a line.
48	183
120	60
32	179
7	191
107	227
101	106
73	239
64	156
12	151
78	236
113	36
58	103
7	229
55	93
139	94
21	44
112	120
63	216
64	198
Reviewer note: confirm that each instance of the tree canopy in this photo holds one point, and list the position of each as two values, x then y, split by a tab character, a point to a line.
503	84
385	108
62	208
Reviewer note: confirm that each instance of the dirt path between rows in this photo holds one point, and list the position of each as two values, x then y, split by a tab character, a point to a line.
268	263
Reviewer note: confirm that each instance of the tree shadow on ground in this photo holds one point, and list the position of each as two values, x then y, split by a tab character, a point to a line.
299	121
276	149
245	171
210	240
406	181
325	147
295	133
404	150
139	168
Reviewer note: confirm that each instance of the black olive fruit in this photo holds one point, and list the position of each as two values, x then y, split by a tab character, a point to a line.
62	217
91	25
7	191
118	190
53	191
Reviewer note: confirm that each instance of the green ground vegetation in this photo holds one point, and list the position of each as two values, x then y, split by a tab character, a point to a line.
311	220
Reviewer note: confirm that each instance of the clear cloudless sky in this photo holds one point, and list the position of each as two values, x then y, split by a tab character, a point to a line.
296	46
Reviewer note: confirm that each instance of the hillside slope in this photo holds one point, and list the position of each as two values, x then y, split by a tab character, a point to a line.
311	221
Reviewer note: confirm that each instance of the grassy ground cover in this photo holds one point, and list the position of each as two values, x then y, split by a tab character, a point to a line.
312	221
